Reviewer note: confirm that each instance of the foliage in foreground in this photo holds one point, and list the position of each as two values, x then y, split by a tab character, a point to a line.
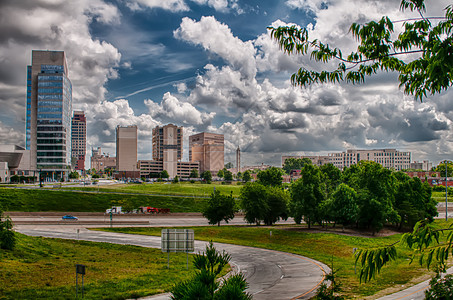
440	288
429	244
204	284
429	68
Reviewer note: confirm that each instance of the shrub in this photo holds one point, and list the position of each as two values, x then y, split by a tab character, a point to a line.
440	288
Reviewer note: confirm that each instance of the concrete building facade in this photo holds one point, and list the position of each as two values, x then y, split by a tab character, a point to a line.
126	150
156	166
99	161
15	161
78	140
167	147
207	149
388	158
48	114
422	165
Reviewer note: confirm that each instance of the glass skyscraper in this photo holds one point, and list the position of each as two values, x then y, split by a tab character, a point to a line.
49	112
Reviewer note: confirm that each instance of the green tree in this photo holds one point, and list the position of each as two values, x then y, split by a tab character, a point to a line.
164	174
343	206
441	169
294	163
74	175
14	178
277	203
260	203
228	165
331	177
246	177
271	176
220	173
307	194
176	179
228	176
220	207
7	235
253	202
206	176
428	69
193	173
204	284
413	200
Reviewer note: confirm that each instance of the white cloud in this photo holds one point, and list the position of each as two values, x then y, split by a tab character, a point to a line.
103	118
173	110
217	38
171	5
9	135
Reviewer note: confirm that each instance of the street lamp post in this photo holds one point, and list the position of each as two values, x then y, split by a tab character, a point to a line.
446	192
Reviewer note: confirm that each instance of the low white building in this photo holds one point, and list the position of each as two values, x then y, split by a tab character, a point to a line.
4	172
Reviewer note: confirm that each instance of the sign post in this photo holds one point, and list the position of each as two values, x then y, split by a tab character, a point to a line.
80	269
177	240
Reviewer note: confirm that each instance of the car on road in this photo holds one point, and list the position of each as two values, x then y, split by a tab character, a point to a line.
69	217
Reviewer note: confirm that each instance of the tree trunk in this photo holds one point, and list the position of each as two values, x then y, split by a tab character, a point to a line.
218	223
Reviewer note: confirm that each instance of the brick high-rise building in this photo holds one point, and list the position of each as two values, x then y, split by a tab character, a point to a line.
208	149
167	147
126	151
48	114
79	140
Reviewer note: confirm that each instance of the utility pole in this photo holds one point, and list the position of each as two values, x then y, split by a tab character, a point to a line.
446	192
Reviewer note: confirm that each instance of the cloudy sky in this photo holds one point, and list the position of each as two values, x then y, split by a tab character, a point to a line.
210	65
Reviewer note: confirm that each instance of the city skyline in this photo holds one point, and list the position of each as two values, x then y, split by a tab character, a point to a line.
211	66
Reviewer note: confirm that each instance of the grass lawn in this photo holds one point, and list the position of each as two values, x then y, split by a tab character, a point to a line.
31	200
161	188
323	247
440	196
43	268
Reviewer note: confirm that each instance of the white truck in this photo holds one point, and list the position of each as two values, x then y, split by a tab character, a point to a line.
114	210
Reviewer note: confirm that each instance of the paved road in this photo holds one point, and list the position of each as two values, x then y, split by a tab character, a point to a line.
270	274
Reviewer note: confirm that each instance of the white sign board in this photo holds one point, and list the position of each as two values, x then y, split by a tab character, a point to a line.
177	240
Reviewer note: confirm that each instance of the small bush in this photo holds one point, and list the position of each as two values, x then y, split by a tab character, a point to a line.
440	288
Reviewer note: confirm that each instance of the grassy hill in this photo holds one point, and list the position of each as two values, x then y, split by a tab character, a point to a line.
32	200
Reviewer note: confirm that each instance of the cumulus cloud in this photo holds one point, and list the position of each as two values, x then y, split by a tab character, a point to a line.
217	38
9	135
171	5
172	109
65	27
182	5
103	119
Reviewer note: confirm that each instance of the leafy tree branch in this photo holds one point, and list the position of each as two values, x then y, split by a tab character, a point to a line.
377	50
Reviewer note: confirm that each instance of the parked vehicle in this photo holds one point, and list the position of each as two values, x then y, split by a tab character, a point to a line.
69	217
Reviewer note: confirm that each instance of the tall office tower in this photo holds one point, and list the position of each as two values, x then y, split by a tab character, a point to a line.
238	160
79	140
208	149
49	110
126	150
167	147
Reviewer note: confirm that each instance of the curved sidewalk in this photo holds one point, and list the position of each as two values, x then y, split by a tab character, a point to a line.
270	274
